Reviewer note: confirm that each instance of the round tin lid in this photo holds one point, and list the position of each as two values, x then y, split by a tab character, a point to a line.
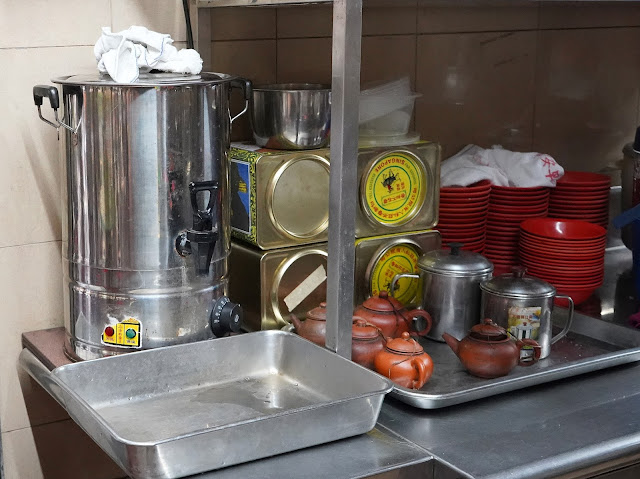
405	345
304	179
394	188
517	285
146	79
455	262
395	258
294	268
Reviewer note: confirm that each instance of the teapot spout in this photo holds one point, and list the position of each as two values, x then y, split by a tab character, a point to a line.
296	322
452	342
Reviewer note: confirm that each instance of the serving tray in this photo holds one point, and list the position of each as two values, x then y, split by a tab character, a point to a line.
180	410
590	345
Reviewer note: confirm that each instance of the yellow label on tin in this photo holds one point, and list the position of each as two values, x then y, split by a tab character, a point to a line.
125	333
397	259
394	188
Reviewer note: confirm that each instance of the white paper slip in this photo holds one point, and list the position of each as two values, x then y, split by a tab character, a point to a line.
304	289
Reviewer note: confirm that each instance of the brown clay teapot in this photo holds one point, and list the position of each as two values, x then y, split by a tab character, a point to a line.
488	351
314	327
388	314
367	341
404	362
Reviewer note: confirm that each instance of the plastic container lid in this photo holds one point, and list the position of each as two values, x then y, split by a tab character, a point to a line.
455	262
518	286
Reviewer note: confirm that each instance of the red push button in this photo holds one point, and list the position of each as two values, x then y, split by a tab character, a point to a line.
109	331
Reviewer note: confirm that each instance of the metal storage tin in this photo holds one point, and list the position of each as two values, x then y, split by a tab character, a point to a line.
281	198
261	280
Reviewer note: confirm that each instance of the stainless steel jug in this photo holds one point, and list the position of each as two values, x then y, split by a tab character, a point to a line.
146	226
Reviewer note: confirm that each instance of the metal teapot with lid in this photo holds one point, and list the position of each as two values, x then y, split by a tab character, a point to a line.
451	280
523	305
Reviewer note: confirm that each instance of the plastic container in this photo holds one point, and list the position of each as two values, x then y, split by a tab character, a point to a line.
386	110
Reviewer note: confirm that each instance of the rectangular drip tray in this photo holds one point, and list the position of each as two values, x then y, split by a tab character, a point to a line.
590	345
181	410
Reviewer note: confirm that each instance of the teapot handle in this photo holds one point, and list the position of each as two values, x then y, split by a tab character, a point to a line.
537	350
422	372
424	315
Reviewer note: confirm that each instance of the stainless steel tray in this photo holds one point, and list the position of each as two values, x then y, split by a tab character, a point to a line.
181	410
591	344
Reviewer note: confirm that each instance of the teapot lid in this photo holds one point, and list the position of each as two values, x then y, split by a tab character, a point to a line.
319	313
363	330
405	345
383	303
455	262
517	285
488	331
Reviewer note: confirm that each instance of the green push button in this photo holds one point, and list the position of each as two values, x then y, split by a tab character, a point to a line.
130	333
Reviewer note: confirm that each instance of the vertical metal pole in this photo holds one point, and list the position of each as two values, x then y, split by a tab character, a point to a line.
343	184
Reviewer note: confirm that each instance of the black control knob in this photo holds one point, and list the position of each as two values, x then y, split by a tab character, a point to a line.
226	317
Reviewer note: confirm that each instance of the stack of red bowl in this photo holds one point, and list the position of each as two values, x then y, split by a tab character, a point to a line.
508	206
569	254
581	195
463	215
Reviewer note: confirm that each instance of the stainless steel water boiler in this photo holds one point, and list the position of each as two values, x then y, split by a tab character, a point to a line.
146	221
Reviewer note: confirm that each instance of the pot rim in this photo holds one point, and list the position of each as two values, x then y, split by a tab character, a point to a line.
292	87
146	80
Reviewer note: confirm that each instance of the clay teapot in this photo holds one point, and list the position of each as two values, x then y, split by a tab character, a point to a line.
314	327
488	351
367	341
404	362
388	314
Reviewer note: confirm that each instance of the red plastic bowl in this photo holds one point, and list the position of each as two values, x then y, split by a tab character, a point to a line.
583	178
562	229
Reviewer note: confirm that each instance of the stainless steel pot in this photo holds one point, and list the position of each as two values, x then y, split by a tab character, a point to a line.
291	116
451	289
146	224
523	306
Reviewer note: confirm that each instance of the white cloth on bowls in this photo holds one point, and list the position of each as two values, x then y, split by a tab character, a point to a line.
501	167
123	55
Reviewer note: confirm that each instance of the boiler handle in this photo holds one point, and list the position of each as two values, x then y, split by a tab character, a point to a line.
244	85
51	92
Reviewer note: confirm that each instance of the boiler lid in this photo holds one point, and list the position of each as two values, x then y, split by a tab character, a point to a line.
146	79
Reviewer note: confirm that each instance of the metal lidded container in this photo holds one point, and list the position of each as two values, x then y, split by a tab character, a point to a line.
523	306
146	207
451	288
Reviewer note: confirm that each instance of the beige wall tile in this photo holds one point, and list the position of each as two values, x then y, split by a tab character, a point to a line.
477	88
253	59
443	17
31	282
389	17
30	160
304	60
242	23
40	23
388	58
305	21
162	17
60	450
587	95
583	15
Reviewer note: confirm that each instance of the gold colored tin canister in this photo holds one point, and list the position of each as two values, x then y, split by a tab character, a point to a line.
261	281
281	199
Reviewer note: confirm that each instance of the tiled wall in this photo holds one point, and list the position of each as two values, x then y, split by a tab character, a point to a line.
547	77
555	77
38	41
